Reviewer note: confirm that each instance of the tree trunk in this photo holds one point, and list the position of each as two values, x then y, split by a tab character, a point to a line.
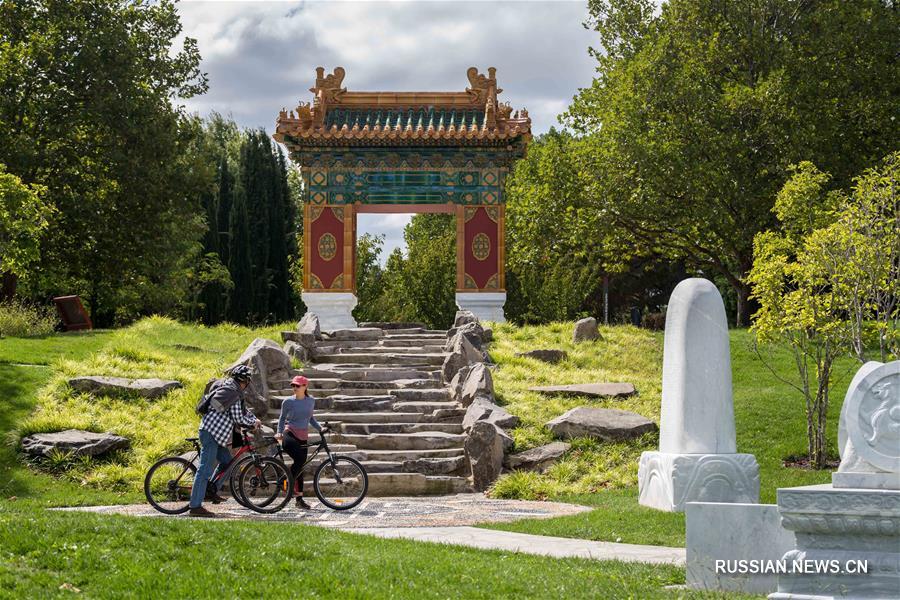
742	312
10	280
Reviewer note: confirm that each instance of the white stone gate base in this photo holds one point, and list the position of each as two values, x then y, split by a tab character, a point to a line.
333	309
487	306
668	481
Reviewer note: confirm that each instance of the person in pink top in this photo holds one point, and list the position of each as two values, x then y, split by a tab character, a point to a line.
293	431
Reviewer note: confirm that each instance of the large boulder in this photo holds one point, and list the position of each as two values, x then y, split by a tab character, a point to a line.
608	424
547	356
296	350
75	441
463	317
309	326
538	459
269	365
472	330
586	330
119	386
457	382
485	447
462	354
483	408
478	382
593	390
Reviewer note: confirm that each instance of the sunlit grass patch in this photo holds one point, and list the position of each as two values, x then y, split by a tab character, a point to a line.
154	427
624	354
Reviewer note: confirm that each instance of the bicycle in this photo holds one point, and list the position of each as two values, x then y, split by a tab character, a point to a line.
340	482
170	480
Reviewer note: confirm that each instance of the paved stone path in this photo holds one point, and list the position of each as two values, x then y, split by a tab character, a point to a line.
441	519
543	545
412	511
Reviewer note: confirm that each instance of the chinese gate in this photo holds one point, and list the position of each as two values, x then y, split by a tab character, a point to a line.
400	152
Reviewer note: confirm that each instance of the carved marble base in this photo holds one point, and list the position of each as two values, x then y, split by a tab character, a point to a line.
841	525
487	306
667	481
333	309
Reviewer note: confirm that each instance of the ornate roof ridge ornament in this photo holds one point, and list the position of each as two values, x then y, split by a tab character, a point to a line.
469	117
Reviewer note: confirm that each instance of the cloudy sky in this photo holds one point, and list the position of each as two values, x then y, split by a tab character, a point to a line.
261	56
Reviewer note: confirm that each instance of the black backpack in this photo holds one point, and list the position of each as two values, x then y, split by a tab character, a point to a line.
203	405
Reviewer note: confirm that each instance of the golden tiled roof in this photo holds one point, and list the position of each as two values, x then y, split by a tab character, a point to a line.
337	116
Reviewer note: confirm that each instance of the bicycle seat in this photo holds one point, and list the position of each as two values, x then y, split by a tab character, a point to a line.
269	439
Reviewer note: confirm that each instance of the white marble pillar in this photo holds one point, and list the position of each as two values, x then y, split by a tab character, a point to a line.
697	459
857	516
334	309
487	306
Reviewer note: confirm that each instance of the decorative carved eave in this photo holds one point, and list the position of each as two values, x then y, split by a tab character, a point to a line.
309	123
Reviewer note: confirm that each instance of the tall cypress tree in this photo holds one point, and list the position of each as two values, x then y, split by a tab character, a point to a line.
279	295
225	200
255	189
240	264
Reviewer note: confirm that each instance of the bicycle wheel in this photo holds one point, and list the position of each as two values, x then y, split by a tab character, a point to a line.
168	485
234	480
341	483
266	485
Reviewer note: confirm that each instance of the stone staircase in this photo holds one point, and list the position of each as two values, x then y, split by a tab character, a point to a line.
380	390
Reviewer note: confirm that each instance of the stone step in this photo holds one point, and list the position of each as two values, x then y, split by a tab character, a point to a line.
404	455
374	358
389	417
382	343
403	441
370	417
371	428
424	407
384	373
341	404
435	336
357	333
323	351
433	395
282	388
407	484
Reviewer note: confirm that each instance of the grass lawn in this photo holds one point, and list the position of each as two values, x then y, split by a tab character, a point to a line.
50	554
44	350
769	419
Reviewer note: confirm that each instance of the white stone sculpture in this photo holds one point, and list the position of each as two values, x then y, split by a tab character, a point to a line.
869	430
855	519
697	459
334	309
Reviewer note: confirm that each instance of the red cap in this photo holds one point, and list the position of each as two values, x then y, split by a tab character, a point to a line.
299	380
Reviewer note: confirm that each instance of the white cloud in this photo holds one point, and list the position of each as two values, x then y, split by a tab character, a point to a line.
261	56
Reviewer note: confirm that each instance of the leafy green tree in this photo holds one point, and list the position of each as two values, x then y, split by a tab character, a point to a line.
430	270
369	277
829	274
23	216
558	248
698	110
87	111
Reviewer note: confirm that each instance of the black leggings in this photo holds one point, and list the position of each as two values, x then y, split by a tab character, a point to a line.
297	450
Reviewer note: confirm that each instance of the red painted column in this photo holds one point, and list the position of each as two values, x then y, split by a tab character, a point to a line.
329	240
480	248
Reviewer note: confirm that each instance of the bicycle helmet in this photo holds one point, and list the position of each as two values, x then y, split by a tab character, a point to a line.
241	373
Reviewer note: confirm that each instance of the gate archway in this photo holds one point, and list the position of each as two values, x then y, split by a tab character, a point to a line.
403	152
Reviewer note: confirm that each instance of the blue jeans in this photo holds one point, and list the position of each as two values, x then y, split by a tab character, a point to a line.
210	454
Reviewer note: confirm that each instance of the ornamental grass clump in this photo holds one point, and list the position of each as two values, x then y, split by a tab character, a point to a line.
21	319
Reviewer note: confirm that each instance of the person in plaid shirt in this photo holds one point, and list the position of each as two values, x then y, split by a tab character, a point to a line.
225	410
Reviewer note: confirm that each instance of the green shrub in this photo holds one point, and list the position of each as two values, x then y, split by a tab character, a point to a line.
21	319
